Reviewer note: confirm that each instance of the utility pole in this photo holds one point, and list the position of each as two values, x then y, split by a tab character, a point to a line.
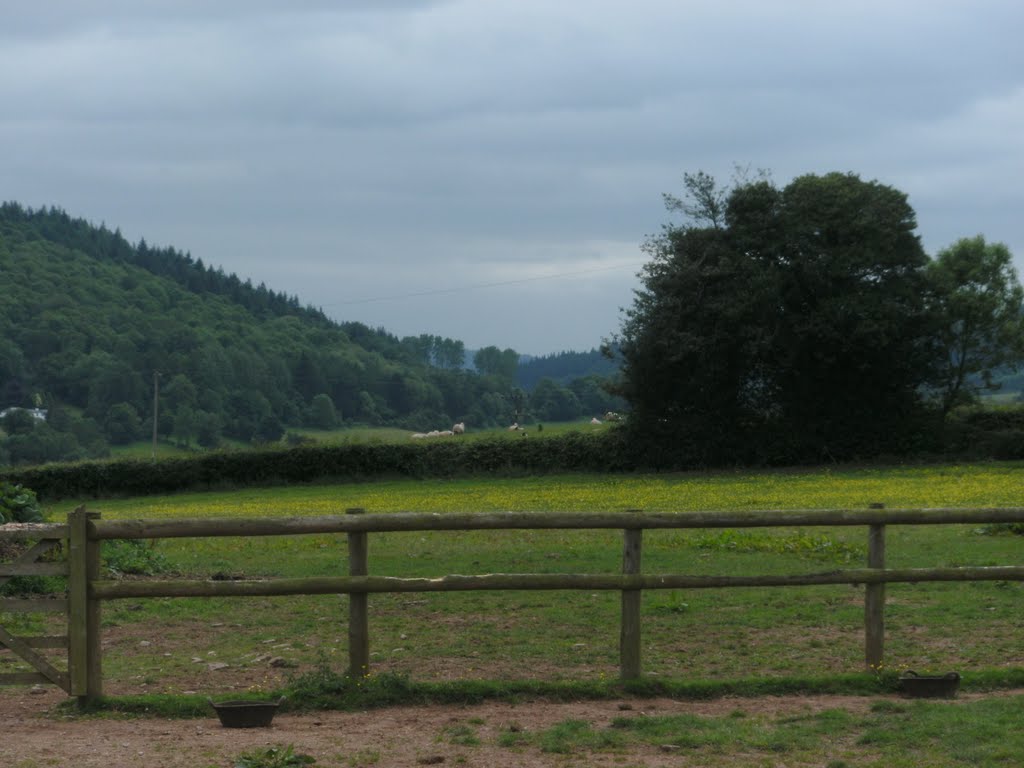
156	400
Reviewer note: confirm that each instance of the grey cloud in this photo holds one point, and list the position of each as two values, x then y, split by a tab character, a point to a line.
458	139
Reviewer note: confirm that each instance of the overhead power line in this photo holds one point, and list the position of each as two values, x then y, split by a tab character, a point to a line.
478	286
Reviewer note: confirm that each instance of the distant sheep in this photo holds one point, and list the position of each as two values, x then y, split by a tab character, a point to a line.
459	428
430	434
595	420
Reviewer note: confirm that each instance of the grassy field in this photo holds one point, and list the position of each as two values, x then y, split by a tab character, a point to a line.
710	634
143	449
890	734
348	435
695	642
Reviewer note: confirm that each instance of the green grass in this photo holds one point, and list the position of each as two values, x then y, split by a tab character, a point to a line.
143	449
694	636
891	734
395	435
875	734
325	688
280	756
519	647
344	435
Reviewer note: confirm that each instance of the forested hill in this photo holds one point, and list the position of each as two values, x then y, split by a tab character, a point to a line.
87	320
19	224
563	367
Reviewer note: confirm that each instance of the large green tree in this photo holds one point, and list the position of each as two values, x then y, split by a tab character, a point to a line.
692	344
979	304
852	342
795	323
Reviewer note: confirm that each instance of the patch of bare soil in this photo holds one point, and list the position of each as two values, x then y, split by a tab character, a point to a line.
400	736
33	734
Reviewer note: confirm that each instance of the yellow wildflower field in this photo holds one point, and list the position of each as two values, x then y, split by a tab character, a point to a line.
949	485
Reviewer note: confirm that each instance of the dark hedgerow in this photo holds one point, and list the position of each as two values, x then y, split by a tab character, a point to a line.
973	434
570	452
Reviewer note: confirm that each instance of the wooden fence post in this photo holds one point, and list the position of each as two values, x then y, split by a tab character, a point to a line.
358	603
85	658
874	599
629	637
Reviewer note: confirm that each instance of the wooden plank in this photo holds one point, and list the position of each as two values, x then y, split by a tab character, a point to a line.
874	602
37	550
85	660
40	664
24	678
409	521
333	585
358	604
32	605
78	595
50	641
30	556
94	646
629	634
32	569
29	531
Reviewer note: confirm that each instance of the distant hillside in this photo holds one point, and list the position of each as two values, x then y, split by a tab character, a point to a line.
18	224
87	319
91	325
563	367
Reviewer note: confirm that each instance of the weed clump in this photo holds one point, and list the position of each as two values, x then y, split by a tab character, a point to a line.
273	757
326	688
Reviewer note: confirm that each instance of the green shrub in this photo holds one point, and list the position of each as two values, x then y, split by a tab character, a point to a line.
325	688
986	433
18	504
132	556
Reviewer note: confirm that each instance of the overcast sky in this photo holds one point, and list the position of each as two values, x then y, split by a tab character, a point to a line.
488	170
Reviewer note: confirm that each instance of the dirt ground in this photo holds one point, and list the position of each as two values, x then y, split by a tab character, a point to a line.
33	736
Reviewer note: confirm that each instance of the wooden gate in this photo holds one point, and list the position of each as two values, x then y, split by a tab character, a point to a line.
41	540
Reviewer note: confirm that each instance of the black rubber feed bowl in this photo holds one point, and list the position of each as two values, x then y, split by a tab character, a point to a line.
246	714
929	686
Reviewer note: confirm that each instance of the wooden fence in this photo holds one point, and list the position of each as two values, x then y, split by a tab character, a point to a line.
86	591
41	544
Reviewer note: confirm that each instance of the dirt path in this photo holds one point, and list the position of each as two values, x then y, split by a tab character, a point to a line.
32	736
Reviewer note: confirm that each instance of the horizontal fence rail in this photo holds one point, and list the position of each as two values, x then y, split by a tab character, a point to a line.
112	590
32	531
86	589
484	521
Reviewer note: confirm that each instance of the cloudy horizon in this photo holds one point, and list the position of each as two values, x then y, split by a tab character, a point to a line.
488	171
